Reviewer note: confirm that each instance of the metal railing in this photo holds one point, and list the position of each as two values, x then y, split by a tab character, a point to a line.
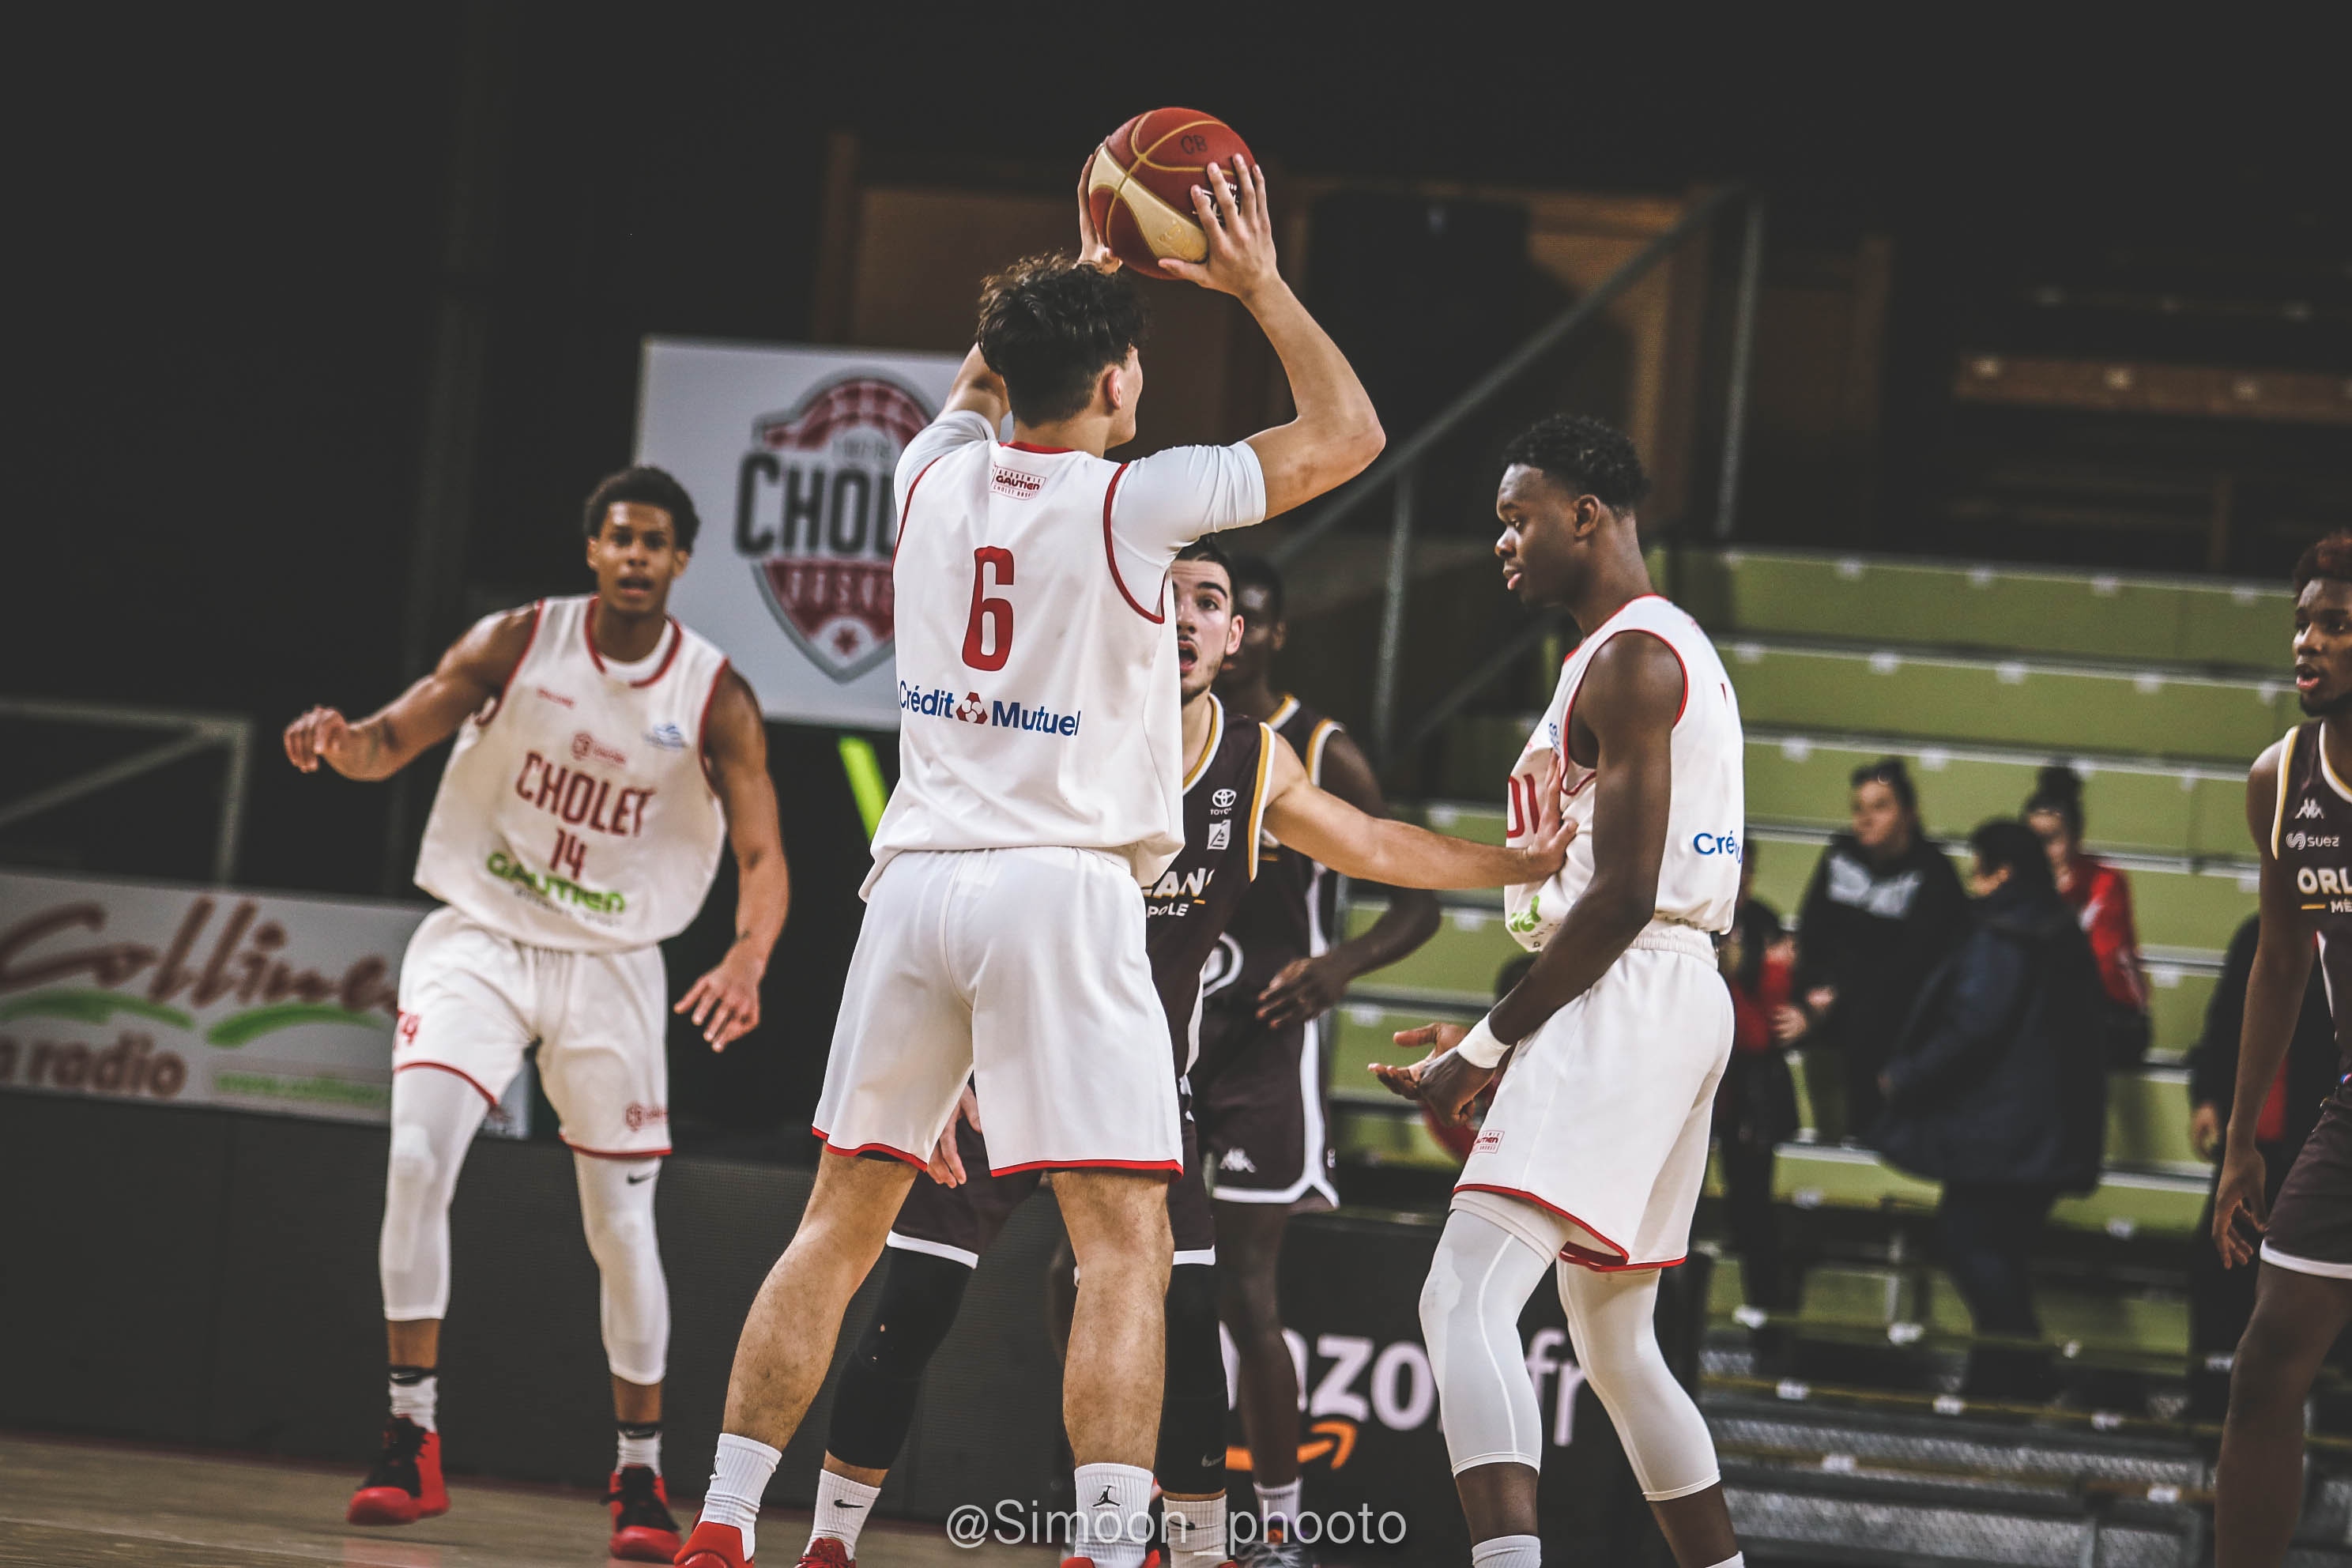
190	733
1399	468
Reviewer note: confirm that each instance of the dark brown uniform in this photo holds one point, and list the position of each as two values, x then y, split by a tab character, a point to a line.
2311	839
1259	1092
1188	908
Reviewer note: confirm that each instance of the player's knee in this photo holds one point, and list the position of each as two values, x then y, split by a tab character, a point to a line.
413	1171
1247	1300
1194	1351
920	1297
2273	1363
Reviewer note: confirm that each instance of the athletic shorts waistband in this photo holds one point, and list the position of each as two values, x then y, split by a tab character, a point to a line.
1672	936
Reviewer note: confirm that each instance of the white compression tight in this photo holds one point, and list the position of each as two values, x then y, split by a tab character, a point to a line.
1493	1254
434	1118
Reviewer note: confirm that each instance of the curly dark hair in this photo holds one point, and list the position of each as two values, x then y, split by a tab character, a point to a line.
1049	325
1588	454
2330	558
644	487
2058	789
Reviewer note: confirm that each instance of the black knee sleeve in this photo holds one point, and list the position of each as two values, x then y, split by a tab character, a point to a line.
875	1403
1192	1457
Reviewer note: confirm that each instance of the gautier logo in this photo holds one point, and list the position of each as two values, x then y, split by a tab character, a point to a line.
971	708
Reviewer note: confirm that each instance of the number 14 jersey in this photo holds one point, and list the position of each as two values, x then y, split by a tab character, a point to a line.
1038	682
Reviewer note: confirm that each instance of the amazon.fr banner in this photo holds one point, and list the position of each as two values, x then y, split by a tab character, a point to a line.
170	995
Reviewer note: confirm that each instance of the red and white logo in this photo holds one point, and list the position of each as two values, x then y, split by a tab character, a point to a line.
817	522
585	746
1012	483
640	1116
1487	1143
972	709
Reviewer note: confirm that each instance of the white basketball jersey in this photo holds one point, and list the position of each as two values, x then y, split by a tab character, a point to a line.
1698	879
574	813
1037	688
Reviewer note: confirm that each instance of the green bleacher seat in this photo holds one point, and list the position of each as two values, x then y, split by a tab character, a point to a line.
2008	703
2147	1122
1457	965
2157	619
2126	1203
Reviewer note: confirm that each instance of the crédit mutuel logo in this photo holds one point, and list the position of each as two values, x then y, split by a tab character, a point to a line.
815	519
971	708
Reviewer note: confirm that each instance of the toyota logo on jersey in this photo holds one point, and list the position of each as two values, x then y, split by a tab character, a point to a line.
816	520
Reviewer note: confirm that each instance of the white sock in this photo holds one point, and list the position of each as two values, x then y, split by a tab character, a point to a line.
640	1444
1196	1531
1278	1502
842	1508
1737	1560
1114	1515
737	1484
1508	1551
415	1397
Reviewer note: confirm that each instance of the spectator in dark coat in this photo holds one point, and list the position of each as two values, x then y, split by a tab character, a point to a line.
1997	1088
2220	1300
1756	1103
1884	907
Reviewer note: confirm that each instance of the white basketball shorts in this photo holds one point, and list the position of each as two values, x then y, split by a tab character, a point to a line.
1024	970
472	1001
1602	1116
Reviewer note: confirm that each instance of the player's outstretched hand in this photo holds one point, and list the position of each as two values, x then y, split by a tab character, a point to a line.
947	1161
1306	987
321	735
2239	1197
1241	236
1442	1081
725	1004
1091	248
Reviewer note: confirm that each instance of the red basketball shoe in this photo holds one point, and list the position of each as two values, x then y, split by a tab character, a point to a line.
642	1530
713	1546
826	1552
405	1484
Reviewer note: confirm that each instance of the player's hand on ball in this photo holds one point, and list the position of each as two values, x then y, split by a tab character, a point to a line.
2239	1196
1241	236
1091	248
1441	1080
725	1004
1306	987
947	1161
321	735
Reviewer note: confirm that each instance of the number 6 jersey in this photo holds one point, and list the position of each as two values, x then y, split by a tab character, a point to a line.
1037	682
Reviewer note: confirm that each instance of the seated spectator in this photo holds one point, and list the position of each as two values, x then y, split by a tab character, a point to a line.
1756	1104
2220	1300
2101	898
1884	907
1998	1089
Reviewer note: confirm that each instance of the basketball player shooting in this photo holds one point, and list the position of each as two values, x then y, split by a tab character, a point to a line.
1591	1159
2299	814
1240	777
603	751
1041	778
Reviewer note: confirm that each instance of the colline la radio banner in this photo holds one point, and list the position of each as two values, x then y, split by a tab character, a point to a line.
789	454
173	995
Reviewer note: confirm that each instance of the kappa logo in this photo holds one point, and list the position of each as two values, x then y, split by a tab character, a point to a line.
1014	483
1236	1161
1223	800
1220	834
2309	808
816	519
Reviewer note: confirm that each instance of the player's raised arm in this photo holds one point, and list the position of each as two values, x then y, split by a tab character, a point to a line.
725	1003
1324	828
2275	989
472	670
1337	433
978	390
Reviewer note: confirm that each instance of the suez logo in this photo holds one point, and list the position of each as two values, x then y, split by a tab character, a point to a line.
1716	844
1366	1380
971	708
2299	839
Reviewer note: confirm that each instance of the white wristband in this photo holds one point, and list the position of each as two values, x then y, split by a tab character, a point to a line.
1479	1048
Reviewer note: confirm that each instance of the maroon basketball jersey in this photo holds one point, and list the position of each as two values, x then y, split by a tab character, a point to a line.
2311	839
1191	904
1292	905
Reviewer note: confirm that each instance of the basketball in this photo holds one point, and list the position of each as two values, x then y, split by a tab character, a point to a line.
1139	182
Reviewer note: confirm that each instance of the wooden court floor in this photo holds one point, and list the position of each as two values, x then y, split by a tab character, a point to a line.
69	1504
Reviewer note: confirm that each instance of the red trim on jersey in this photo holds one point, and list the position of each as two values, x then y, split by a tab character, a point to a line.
907	506
1568	718
1041	452
1620	1262
588	635
915	1160
537	614
614	1154
702	724
445	1067
1111	552
1170	1167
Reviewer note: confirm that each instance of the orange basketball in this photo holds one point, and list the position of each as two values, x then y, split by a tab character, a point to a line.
1140	184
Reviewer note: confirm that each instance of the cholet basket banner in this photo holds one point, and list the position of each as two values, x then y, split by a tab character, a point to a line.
168	994
790	454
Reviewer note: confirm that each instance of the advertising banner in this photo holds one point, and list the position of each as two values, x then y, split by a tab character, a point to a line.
172	994
789	454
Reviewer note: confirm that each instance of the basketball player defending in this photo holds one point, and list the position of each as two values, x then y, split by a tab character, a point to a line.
2299	811
1258	1086
1041	778
1590	1160
1240	780
603	751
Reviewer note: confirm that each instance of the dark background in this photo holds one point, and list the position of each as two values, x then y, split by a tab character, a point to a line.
233	253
